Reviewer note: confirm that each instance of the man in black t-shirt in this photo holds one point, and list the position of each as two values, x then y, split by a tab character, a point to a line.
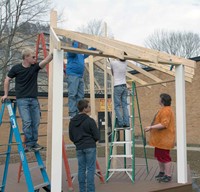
26	88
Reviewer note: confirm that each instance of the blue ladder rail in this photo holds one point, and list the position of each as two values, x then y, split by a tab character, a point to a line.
11	106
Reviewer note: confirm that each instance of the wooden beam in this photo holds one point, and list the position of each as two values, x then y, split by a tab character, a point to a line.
95	81
105	54
90	42
134	54
156	83
172	73
142	71
132	77
53	23
94	59
144	53
161	55
92	94
55	40
167	68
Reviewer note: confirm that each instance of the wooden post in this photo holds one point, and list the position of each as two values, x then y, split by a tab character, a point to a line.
106	104
92	93
113	121
181	125
53	23
57	121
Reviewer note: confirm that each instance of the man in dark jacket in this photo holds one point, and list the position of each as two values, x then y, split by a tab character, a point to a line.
84	134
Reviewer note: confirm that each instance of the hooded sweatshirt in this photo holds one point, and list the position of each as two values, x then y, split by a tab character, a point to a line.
75	62
83	132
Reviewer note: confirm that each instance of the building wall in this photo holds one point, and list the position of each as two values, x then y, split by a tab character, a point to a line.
149	98
148	103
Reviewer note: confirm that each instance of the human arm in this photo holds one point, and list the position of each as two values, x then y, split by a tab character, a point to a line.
91	49
157	126
111	71
6	88
111	66
70	132
74	45
44	62
95	131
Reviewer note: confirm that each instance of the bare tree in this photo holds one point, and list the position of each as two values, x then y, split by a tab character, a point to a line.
14	13
184	44
95	27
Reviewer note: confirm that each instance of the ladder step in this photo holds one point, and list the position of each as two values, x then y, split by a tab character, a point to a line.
122	169
122	142
41	185
128	156
37	167
11	153
44	122
122	128
9	144
5	153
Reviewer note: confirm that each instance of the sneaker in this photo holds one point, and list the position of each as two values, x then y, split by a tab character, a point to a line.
160	174
166	179
37	147
28	149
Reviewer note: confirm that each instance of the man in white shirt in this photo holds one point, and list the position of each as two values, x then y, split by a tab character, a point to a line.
118	69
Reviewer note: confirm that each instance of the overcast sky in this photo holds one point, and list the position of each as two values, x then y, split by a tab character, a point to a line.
131	21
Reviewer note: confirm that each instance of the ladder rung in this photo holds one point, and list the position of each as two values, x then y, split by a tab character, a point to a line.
122	128
68	117
122	142
37	167
44	122
14	143
128	156
4	153
122	169
43	110
41	185
11	153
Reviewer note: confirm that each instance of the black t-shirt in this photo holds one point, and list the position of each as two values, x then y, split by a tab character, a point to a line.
25	80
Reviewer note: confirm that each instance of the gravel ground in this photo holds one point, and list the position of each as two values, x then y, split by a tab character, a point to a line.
193	157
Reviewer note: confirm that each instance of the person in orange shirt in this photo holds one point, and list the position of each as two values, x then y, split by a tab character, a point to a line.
162	137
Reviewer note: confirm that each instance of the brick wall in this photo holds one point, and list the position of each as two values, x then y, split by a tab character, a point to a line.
148	101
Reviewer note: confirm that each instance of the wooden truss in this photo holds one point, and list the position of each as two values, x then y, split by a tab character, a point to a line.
111	48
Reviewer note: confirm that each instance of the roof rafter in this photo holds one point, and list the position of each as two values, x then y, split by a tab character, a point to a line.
116	49
141	52
91	42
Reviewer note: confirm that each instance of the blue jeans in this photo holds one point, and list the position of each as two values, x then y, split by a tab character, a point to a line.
29	111
75	93
86	164
120	99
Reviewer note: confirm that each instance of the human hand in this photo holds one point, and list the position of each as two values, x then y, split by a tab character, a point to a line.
4	98
148	128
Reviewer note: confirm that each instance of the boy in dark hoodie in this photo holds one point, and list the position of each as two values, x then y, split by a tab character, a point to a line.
83	132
